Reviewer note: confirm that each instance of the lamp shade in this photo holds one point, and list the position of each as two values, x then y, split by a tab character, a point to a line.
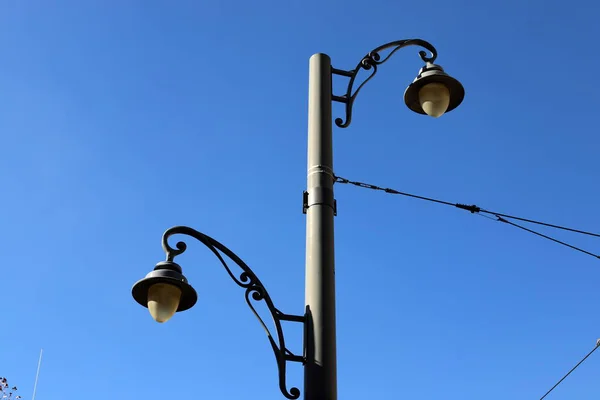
164	291
433	92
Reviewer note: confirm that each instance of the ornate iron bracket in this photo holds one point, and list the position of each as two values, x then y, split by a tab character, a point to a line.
370	62
255	290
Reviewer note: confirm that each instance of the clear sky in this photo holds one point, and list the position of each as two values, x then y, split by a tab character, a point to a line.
120	119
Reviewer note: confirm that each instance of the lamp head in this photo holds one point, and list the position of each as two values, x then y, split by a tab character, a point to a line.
164	291
433	92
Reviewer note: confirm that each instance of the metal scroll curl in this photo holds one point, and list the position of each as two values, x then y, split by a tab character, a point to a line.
255	291
370	62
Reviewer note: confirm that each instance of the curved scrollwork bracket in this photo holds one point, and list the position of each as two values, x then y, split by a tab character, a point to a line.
254	291
370	62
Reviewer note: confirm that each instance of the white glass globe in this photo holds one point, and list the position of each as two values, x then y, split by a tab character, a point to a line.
163	301
434	98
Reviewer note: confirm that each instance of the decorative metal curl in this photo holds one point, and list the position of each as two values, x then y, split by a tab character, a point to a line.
255	291
370	62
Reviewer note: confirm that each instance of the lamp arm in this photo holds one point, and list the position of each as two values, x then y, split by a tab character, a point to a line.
370	62
254	290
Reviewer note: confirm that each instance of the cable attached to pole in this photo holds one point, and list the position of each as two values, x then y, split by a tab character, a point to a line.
500	217
473	209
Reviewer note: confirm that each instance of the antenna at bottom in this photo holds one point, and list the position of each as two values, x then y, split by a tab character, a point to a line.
37	375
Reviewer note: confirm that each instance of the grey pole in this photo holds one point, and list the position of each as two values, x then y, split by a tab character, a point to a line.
320	373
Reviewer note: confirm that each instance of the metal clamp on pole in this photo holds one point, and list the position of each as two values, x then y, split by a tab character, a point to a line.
319	195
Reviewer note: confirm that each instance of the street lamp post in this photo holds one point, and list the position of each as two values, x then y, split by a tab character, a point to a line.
165	290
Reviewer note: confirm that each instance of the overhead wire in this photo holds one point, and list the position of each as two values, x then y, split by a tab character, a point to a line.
474	209
572	369
500	217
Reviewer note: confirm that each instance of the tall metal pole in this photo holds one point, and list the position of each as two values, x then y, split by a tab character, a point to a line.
320	379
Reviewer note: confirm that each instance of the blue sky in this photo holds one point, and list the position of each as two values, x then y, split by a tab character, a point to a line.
120	119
